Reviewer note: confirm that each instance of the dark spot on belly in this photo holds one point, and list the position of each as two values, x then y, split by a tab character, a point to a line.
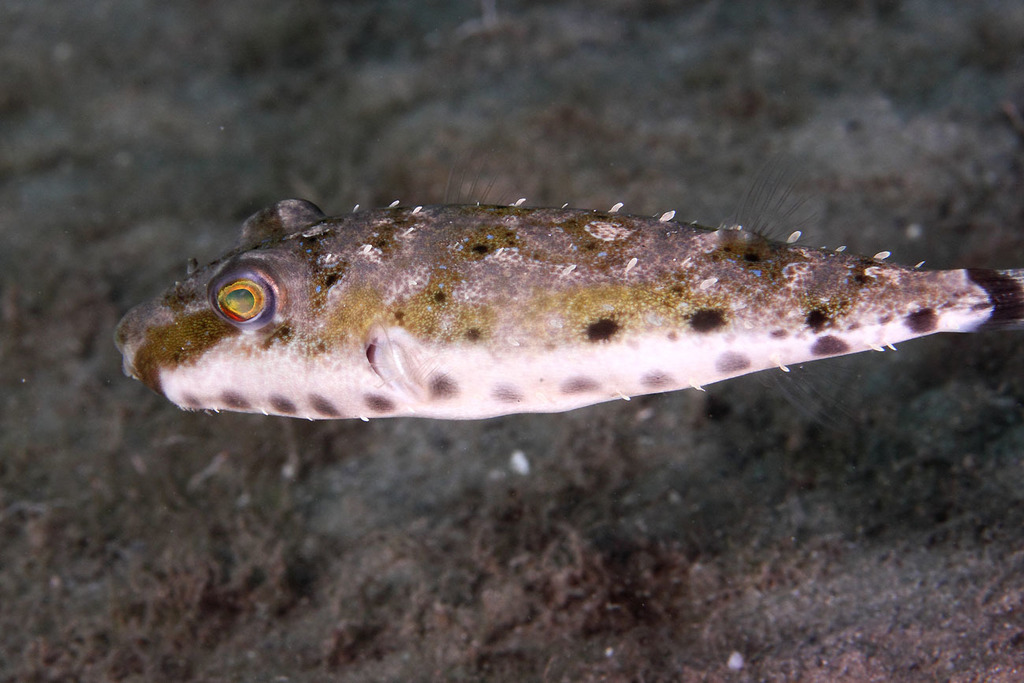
578	385
922	321
190	401
378	403
707	320
506	393
232	399
282	404
323	406
829	346
473	334
443	386
778	334
602	329
816	320
672	336
657	380
730	361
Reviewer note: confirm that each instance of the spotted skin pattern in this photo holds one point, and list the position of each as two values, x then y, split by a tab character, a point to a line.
469	311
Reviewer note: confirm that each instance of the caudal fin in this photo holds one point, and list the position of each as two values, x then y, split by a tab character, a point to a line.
1006	292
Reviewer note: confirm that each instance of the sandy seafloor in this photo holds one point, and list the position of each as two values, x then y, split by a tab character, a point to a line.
879	540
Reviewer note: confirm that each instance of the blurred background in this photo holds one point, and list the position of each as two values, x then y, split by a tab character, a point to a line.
861	522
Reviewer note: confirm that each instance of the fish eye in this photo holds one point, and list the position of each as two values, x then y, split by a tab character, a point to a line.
243	297
241	300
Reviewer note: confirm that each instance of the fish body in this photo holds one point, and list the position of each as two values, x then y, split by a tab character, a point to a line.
470	311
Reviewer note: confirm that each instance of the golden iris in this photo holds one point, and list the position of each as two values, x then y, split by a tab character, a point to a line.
241	300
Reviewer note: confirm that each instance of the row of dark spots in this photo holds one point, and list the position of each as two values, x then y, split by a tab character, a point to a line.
728	362
281	404
511	394
920	322
319	404
441	387
703	321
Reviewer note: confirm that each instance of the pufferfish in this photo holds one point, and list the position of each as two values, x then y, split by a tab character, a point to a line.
475	311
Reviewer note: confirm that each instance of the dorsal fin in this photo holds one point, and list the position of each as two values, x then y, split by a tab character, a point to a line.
274	222
770	207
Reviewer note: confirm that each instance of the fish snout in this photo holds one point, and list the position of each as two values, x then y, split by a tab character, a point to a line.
131	334
128	334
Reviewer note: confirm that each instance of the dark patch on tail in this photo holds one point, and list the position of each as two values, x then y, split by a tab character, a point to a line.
1005	290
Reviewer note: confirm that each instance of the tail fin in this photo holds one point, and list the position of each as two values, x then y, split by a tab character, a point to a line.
1006	292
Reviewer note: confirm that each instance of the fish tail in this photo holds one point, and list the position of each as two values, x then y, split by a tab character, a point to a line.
1005	290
